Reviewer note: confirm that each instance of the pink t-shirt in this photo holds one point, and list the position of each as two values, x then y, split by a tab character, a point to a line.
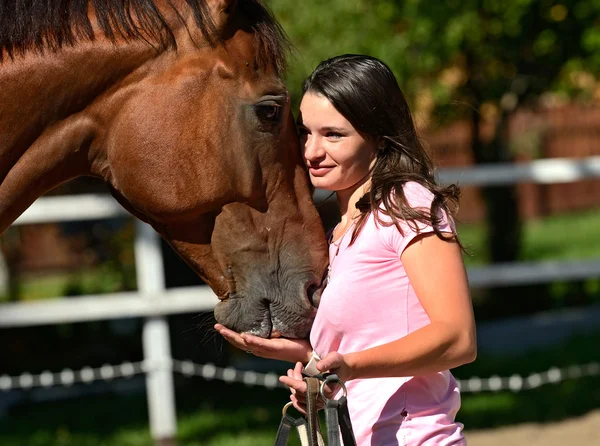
369	301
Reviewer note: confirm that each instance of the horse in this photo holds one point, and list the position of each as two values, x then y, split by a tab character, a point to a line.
179	107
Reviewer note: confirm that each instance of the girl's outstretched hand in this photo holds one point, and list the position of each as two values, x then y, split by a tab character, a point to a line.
284	349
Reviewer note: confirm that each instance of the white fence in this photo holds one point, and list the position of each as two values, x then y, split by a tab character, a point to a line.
153	301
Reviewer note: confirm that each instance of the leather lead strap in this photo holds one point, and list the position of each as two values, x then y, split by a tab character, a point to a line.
345	424
312	395
283	433
338	419
332	421
309	431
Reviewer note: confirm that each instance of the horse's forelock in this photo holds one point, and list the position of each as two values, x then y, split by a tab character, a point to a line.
272	43
27	25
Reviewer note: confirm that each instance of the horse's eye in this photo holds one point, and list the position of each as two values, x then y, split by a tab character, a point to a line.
268	112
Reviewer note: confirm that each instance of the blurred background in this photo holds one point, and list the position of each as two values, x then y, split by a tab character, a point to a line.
506	95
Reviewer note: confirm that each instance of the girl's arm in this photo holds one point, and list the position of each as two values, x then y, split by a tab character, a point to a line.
437	274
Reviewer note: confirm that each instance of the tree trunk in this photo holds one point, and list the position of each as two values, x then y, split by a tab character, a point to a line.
502	206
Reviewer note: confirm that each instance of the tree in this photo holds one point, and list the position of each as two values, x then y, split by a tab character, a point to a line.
491	56
509	53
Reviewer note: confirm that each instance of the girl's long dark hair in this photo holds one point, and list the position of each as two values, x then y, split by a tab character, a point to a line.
364	90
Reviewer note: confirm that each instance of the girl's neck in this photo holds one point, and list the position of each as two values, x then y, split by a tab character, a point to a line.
348	198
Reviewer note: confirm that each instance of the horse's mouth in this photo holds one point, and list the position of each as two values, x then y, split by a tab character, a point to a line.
272	327
265	328
266	319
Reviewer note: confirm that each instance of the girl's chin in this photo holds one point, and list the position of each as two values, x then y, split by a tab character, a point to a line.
328	183
320	183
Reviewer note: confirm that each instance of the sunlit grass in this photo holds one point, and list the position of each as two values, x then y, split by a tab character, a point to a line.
559	237
90	281
251	421
219	414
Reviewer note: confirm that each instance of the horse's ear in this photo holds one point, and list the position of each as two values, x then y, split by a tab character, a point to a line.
222	10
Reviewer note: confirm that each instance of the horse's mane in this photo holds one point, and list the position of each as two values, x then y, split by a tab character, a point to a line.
27	25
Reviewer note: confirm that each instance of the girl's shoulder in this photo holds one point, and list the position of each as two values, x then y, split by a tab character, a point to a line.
416	195
395	232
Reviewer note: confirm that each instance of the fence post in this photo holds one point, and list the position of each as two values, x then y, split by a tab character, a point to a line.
156	342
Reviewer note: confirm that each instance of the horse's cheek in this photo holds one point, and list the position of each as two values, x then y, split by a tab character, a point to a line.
157	162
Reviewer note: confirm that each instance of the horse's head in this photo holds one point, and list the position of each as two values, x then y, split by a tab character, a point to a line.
202	145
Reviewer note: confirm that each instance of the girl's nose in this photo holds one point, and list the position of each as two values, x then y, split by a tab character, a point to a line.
313	150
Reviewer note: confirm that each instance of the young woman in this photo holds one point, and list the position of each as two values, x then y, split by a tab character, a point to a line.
396	314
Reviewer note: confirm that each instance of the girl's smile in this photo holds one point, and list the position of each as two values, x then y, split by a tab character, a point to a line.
319	171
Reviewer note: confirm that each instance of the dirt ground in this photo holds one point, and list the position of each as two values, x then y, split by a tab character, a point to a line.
581	431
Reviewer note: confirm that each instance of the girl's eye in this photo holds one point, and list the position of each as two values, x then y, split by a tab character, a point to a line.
333	135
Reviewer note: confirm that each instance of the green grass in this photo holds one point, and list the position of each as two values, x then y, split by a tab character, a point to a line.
579	349
251	415
547	403
36	288
210	413
90	281
559	237
219	414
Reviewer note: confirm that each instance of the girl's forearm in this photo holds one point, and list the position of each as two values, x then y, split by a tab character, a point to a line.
433	348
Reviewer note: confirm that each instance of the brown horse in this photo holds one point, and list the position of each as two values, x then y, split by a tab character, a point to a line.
179	108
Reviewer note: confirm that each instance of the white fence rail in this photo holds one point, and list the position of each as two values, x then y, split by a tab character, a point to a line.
153	301
107	306
544	171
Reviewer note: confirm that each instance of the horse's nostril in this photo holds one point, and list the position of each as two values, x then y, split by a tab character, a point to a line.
325	279
314	295
314	290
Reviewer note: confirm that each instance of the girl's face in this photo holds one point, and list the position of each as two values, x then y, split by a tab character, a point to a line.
337	155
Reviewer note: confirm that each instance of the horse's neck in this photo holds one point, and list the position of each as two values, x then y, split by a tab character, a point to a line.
39	89
44	124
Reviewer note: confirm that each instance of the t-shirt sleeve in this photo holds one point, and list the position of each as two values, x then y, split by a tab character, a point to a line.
418	197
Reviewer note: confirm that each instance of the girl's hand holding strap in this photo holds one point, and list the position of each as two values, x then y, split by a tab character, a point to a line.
333	362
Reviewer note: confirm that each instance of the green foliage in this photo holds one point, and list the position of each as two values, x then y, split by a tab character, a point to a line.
321	29
447	50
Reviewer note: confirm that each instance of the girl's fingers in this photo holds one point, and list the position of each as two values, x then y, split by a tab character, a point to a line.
226	332
299	405
331	390
247	342
298	385
232	337
298	370
255	341
290	374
